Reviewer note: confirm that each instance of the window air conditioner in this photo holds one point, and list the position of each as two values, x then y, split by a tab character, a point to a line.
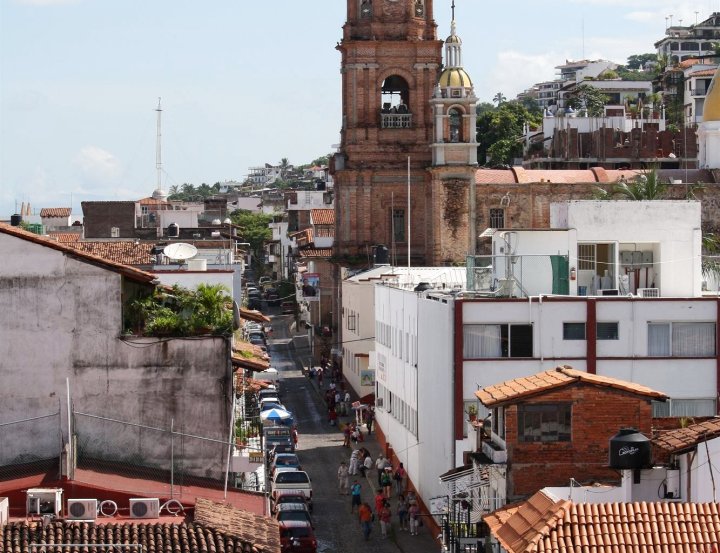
144	508
82	509
609	292
44	501
648	292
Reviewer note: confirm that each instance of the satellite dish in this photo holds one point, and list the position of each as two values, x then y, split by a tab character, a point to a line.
180	251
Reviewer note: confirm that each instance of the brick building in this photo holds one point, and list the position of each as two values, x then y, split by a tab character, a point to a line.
555	426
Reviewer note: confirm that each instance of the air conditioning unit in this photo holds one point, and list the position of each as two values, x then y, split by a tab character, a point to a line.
81	509
609	292
144	508
648	292
44	501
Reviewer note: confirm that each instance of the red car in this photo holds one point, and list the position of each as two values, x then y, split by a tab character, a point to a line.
297	536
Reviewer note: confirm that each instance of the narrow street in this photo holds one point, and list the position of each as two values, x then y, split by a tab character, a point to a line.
320	451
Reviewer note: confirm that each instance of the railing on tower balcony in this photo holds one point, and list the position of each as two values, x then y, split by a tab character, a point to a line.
700	91
396	120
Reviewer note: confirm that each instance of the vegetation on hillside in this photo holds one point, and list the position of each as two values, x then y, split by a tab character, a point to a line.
189	193
500	131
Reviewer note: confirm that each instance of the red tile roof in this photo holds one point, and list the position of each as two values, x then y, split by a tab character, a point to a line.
322	216
512	391
676	441
544	524
152	201
260	531
684	64
324	253
253	315
65	237
249	356
125	270
703	73
126	252
55	212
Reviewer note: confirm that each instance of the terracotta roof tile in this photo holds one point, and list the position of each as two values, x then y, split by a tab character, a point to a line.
703	73
494	176
688	63
681	439
152	201
544	524
253	315
55	212
512	391
154	537
65	237
260	531
125	252
125	270
316	252
249	356
322	216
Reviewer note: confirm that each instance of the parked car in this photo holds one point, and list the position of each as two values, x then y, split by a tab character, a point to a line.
272	297
288	307
293	511
257	336
289	496
284	461
257	340
254	303
296	480
264	279
297	536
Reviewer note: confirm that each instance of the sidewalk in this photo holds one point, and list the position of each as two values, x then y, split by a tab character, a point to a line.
406	543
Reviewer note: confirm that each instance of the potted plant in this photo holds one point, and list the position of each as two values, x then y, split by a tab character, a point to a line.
472	412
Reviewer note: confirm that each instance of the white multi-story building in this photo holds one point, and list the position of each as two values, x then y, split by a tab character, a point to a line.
613	288
680	43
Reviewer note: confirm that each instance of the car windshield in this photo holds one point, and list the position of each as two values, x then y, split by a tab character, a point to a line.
286	461
296	477
293	515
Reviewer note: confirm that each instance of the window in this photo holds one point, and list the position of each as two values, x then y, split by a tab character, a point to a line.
365	8
684	408
498	422
115	232
419	8
544	422
455	122
497	340
497	218
607	331
573	331
681	339
398	225
586	257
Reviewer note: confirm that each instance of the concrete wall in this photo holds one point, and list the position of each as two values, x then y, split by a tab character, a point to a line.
61	318
358	300
700	478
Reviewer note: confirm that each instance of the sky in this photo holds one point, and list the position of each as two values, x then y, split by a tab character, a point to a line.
242	83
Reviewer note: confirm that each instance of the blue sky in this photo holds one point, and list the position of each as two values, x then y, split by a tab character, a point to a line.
242	82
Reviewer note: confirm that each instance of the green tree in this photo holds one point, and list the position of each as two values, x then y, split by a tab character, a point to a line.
645	186
638	61
503	126
499	98
253	228
484	107
589	98
284	167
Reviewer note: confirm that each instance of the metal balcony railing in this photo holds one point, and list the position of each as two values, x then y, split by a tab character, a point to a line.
396	120
518	276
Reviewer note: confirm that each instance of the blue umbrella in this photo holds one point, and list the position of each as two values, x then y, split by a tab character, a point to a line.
276	415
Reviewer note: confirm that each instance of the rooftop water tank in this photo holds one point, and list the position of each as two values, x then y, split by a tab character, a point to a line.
15	220
630	449
173	230
381	255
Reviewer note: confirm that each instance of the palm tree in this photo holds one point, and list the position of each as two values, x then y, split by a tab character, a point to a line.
284	166
646	186
499	98
174	189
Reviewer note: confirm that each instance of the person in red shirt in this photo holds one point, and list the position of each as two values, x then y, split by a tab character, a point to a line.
365	515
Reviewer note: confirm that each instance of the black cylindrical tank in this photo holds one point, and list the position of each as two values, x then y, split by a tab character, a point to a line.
15	220
381	255
173	230
630	449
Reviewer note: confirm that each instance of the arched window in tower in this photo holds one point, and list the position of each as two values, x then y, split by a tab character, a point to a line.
419	8
365	9
395	103
455	123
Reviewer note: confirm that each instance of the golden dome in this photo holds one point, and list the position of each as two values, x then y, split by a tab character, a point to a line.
711	111
454	77
453	39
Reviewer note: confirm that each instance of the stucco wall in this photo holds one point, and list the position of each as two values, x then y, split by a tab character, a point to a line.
61	318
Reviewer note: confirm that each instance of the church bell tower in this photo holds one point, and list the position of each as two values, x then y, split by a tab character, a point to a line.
390	64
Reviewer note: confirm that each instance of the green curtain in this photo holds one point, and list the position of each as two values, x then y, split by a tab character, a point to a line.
560	268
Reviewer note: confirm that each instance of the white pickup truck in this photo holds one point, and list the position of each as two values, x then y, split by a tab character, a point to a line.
297	481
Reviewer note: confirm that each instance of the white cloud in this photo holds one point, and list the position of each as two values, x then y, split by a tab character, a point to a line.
98	166
515	71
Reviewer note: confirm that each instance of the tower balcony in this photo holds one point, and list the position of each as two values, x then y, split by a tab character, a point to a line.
396	120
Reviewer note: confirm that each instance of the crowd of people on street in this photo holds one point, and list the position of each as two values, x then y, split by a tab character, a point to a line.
391	482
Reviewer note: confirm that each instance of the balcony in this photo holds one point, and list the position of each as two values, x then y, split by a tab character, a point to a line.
518	276
396	120
701	91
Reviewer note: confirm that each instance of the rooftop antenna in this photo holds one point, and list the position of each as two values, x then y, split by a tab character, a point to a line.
583	36
696	14
159	193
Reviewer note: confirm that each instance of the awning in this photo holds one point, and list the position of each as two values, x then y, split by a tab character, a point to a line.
252	315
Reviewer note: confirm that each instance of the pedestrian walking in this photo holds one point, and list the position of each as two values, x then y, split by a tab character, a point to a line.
332	416
343	478
387	482
346	435
295	435
369	418
379	500
385	517
399	477
355	495
320	378
380	467
413	515
354	462
365	515
402	512
366	465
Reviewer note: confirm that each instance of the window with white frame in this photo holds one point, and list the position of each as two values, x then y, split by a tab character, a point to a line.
546	422
701	407
673	339
497	340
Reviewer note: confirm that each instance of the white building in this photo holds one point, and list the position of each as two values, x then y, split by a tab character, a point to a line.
709	129
522	314
680	42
